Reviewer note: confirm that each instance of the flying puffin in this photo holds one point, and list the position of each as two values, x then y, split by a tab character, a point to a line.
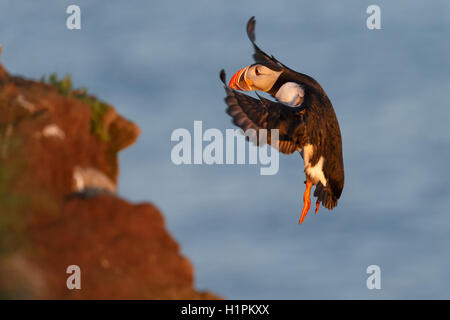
303	114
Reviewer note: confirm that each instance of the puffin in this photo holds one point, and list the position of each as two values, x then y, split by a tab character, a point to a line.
303	115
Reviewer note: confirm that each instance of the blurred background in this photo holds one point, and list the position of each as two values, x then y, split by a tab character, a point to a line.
158	63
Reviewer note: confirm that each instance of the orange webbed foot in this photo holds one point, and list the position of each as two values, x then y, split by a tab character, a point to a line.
306	201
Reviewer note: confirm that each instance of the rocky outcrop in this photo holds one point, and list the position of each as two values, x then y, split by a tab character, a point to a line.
58	207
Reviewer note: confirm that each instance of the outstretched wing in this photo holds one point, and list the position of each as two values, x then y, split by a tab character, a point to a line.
260	56
250	113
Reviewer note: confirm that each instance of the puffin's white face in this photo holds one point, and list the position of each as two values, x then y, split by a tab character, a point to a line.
255	77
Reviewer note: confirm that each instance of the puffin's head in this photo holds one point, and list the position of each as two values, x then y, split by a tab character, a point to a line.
258	76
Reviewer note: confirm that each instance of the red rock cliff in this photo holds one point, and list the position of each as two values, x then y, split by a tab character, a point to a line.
58	176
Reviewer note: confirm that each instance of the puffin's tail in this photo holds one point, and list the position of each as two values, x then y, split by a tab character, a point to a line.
325	195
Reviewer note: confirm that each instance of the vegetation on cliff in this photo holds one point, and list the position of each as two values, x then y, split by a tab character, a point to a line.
98	108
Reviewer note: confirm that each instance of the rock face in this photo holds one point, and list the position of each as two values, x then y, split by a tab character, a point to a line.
58	206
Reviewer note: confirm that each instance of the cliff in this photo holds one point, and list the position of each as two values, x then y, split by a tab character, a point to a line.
58	207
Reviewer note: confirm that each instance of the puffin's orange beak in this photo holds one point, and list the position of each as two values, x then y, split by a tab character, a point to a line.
239	81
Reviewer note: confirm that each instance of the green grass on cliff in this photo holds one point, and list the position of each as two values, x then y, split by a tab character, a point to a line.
98	108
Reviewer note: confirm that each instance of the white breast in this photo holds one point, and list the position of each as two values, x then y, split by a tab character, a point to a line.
315	172
290	93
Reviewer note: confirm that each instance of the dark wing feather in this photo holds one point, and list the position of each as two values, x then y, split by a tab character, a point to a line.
260	56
